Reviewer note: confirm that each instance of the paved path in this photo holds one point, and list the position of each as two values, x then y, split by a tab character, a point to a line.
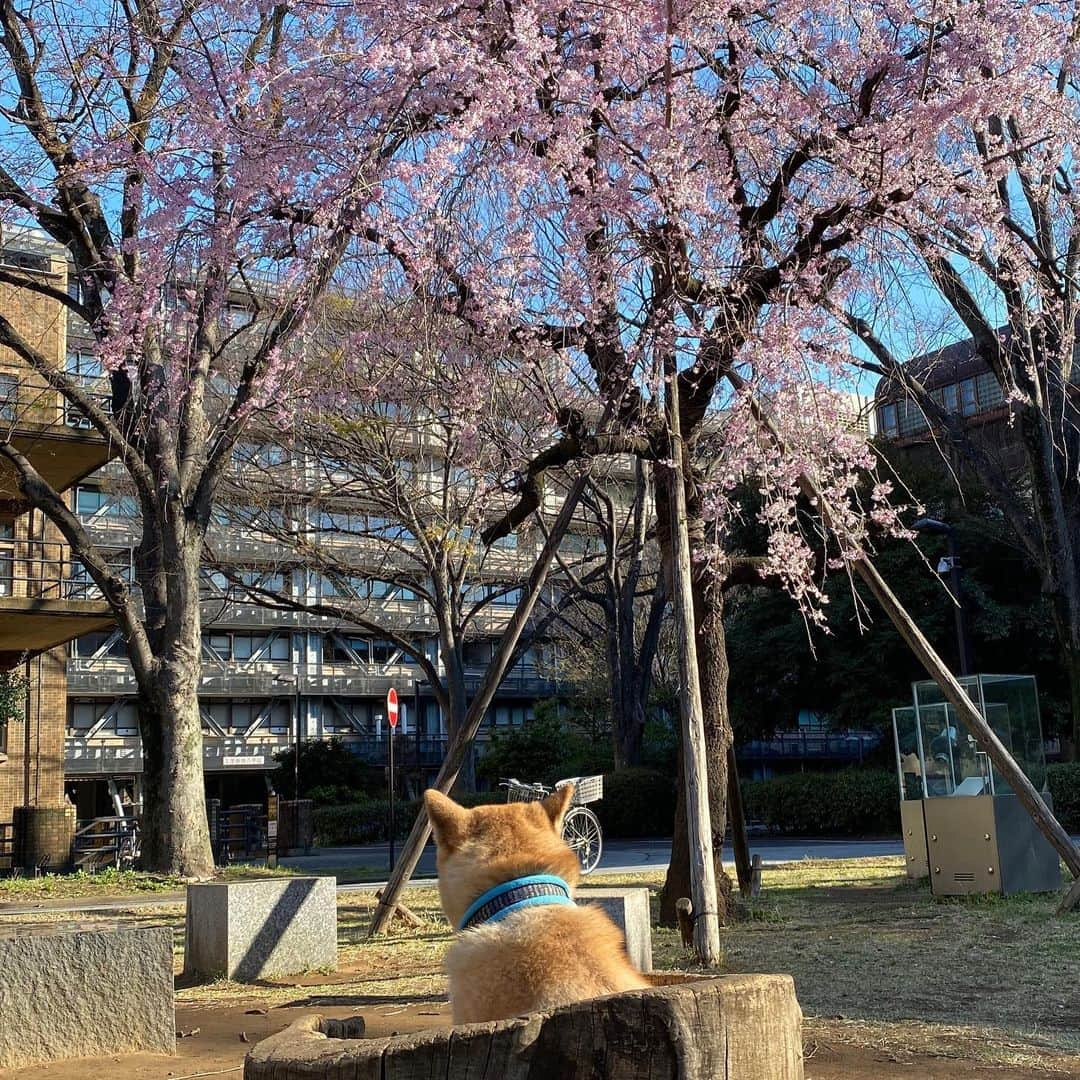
629	856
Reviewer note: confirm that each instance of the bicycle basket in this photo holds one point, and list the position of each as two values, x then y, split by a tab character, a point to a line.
517	792
587	789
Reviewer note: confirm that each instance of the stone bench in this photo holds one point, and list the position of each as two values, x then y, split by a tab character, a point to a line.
734	1027
628	909
248	930
84	990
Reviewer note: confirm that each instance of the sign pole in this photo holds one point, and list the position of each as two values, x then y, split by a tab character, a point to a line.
271	830
392	719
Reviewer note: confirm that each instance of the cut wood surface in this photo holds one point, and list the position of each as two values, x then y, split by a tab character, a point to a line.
732	1027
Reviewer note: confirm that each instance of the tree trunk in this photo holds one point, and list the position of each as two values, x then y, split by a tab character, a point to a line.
1069	637
454	718
1070	745
175	834
627	720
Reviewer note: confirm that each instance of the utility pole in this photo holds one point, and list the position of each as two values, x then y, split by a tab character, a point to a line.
951	565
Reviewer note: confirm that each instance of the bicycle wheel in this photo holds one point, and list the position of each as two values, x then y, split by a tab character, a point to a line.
581	830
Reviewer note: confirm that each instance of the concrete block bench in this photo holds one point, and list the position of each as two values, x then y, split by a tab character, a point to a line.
248	930
628	909
84	990
735	1027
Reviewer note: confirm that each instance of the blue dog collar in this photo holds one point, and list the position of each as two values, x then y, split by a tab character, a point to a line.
513	895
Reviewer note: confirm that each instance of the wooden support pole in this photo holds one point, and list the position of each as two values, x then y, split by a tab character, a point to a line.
684	913
463	739
755	877
952	691
740	843
406	914
695	770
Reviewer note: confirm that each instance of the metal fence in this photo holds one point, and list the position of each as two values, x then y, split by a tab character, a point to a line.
7	845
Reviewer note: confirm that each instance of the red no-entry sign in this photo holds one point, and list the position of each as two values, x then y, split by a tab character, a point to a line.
391	707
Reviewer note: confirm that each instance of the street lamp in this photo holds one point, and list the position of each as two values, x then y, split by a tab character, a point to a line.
294	682
950	564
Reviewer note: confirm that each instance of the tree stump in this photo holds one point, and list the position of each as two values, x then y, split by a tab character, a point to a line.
733	1027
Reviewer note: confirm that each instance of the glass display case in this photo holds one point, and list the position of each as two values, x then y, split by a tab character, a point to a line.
962	823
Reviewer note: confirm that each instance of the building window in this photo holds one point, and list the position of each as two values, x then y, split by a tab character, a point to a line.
105	642
83	364
350	650
477	654
93	502
236	716
103	717
245	646
351	717
888	421
511	715
9	396
7	558
968	397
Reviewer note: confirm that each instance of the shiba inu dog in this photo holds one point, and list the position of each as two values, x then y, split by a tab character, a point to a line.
507	880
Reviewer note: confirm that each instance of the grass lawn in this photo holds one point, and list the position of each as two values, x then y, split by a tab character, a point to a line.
121	883
877	963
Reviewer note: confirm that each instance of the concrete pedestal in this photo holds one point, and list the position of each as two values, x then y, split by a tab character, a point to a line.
69	991
250	930
628	909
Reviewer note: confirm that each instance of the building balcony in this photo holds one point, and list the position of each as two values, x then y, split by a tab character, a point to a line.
57	442
114	678
120	756
45	599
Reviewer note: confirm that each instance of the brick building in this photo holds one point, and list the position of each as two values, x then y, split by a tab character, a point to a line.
43	605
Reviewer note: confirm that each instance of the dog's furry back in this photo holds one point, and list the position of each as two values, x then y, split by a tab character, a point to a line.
535	958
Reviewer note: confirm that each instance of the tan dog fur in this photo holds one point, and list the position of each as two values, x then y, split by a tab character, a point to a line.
535	958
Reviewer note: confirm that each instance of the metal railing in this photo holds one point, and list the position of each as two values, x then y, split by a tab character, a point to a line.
106	841
236	833
810	745
7	845
45	570
26	402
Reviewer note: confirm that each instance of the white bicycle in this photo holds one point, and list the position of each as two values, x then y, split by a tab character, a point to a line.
581	827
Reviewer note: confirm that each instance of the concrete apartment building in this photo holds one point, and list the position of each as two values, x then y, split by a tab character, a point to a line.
270	677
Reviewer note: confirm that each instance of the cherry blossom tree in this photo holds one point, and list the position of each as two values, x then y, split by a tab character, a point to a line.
205	165
640	197
990	253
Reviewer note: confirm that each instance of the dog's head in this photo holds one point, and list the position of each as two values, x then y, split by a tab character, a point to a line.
483	847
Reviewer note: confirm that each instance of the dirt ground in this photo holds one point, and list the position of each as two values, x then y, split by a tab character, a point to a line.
220	1037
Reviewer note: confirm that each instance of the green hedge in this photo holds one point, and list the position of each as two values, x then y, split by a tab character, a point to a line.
641	803
368	822
850	802
1064	781
637	803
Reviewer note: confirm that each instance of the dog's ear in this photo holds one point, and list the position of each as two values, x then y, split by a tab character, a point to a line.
448	820
556	805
